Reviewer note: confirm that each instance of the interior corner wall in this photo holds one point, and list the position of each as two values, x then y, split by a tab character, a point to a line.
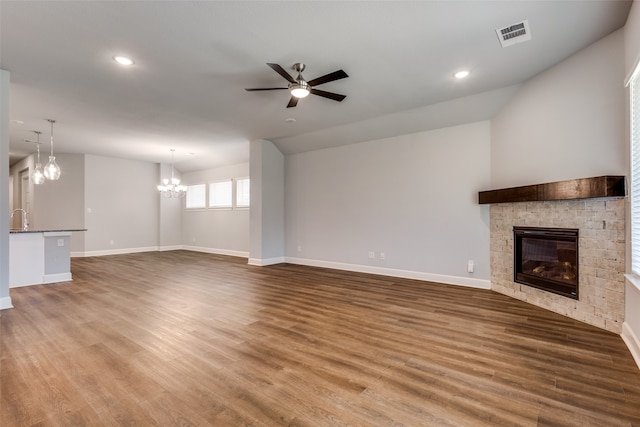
220	231
565	123
5	298
121	205
631	326
412	198
632	39
267	214
170	214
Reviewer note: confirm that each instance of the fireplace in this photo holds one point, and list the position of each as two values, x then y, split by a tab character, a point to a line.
547	259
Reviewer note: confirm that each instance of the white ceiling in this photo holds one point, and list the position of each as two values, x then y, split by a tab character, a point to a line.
194	59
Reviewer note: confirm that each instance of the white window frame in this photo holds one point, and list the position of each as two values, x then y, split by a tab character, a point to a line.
214	202
190	196
634	143
238	203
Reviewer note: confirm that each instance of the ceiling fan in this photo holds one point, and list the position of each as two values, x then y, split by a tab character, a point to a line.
300	88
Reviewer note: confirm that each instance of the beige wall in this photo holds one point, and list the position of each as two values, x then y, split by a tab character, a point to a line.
565	123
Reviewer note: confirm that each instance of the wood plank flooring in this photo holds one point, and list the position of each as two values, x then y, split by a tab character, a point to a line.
192	339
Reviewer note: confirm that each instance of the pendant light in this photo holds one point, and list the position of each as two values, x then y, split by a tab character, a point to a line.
38	174
172	188
51	169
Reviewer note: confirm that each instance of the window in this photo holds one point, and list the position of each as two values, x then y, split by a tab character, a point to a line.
243	195
195	198
220	194
634	85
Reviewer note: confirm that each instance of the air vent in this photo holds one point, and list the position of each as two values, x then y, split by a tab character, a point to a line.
514	34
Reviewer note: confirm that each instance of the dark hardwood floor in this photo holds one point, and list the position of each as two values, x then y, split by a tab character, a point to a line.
185	338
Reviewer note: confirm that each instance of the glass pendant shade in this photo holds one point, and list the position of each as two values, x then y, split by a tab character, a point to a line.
51	169
38	174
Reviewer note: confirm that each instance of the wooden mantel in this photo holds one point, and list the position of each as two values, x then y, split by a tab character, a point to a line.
584	188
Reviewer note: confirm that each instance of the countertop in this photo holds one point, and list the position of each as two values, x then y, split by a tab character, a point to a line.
15	230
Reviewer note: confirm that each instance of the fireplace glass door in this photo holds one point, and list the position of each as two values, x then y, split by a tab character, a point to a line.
547	259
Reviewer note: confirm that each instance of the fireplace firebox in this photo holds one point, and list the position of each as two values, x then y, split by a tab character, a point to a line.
547	259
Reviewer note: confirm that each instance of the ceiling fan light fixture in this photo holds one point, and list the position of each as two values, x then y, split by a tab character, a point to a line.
300	89
123	60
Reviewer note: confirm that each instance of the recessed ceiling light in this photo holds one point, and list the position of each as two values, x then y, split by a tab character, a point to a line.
290	120
123	60
461	74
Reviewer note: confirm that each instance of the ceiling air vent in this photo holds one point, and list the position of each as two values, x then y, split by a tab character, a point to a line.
514	34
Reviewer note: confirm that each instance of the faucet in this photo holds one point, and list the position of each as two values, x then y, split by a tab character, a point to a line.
25	221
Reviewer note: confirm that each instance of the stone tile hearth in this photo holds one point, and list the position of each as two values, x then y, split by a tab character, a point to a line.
601	225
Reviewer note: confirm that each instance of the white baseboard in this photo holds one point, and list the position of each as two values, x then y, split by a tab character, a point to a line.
114	252
267	261
169	248
216	251
5	303
632	342
55	278
405	274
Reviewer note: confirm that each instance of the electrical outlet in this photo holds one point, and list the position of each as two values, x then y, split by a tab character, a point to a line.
111	242
60	242
470	266
372	255
299	248
382	255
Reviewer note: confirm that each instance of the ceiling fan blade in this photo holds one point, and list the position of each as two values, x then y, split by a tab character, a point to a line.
330	95
252	89
336	75
278	69
292	102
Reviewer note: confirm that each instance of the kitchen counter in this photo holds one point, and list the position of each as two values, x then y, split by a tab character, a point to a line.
39	256
19	230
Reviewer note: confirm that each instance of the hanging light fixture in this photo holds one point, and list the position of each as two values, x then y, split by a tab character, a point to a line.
38	173
172	188
51	169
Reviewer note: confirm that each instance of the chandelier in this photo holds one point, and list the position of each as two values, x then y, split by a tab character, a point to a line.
171	187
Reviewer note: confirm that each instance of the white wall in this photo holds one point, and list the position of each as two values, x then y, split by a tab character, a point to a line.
5	299
565	123
267	219
413	197
121	205
222	231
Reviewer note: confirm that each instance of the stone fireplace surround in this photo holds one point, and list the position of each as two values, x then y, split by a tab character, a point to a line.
601	224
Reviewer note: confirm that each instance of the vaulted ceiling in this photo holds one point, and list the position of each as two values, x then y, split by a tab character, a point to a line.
193	60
